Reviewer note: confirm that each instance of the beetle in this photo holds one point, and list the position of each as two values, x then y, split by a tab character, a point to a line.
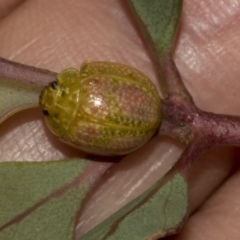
104	109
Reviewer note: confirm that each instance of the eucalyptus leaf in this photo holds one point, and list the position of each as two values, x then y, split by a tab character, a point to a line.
158	19
156	213
40	200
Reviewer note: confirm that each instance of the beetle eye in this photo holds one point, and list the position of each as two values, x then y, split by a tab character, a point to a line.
54	85
46	112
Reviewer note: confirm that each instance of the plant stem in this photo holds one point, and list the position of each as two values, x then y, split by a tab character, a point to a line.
199	129
170	79
16	72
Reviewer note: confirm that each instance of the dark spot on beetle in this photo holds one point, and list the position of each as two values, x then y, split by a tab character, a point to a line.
54	85
56	116
46	112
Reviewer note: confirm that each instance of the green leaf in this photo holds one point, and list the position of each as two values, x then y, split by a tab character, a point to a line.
159	21
20	86
15	97
156	213
40	200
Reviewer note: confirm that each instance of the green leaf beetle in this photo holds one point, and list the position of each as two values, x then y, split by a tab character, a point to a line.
104	109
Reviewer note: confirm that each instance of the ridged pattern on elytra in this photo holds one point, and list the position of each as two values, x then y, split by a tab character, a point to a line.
118	109
117	102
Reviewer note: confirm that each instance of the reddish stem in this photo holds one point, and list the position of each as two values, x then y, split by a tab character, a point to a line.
199	129
170	79
13	71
